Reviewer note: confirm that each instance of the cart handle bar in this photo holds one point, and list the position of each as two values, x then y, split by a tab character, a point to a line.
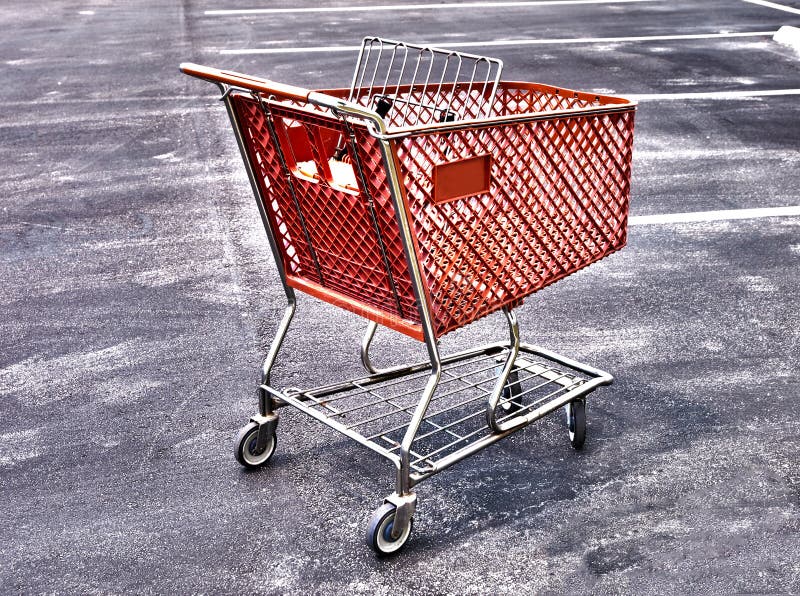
236	79
241	81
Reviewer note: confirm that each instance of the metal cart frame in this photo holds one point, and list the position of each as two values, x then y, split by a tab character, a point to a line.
519	382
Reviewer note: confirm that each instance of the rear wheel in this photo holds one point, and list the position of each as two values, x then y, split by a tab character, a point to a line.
510	400
246	447
576	423
379	531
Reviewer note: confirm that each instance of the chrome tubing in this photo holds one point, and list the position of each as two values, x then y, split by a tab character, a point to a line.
497	392
366	342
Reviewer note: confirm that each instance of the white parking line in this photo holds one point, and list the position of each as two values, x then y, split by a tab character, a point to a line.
407	7
700	216
744	94
775	6
510	42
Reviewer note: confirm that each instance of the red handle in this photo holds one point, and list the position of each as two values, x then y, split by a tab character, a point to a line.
245	81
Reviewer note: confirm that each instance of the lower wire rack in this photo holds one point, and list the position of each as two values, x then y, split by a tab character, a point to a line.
377	410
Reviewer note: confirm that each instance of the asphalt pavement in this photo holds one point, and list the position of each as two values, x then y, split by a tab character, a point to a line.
139	297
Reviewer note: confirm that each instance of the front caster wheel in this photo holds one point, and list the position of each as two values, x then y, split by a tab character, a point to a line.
379	531
246	447
576	423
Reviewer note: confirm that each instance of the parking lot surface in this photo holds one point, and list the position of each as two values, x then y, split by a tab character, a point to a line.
139	297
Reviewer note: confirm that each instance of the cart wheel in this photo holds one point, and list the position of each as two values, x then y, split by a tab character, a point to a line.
510	400
379	531
576	422
245	447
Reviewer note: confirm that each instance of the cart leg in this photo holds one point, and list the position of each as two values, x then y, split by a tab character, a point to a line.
404	470
406	505
508	368
265	401
391	524
256	441
369	335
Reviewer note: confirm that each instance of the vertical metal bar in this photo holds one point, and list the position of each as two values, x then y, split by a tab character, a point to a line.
425	86
254	185
470	86
411	89
442	78
374	71
455	83
410	96
290	182
485	84
388	71
365	344
412	259
493	94
277	342
265	402
361	66
417	283
359	71
404	477
400	77
373	215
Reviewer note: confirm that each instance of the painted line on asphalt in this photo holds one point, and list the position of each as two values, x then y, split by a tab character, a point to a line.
510	42
775	6
701	216
743	94
444	5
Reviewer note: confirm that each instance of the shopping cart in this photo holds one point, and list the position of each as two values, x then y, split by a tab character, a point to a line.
426	196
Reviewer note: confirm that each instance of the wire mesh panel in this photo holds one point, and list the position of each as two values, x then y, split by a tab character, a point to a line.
336	231
410	84
380	412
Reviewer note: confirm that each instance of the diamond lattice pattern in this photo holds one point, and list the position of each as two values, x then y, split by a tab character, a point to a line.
558	201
